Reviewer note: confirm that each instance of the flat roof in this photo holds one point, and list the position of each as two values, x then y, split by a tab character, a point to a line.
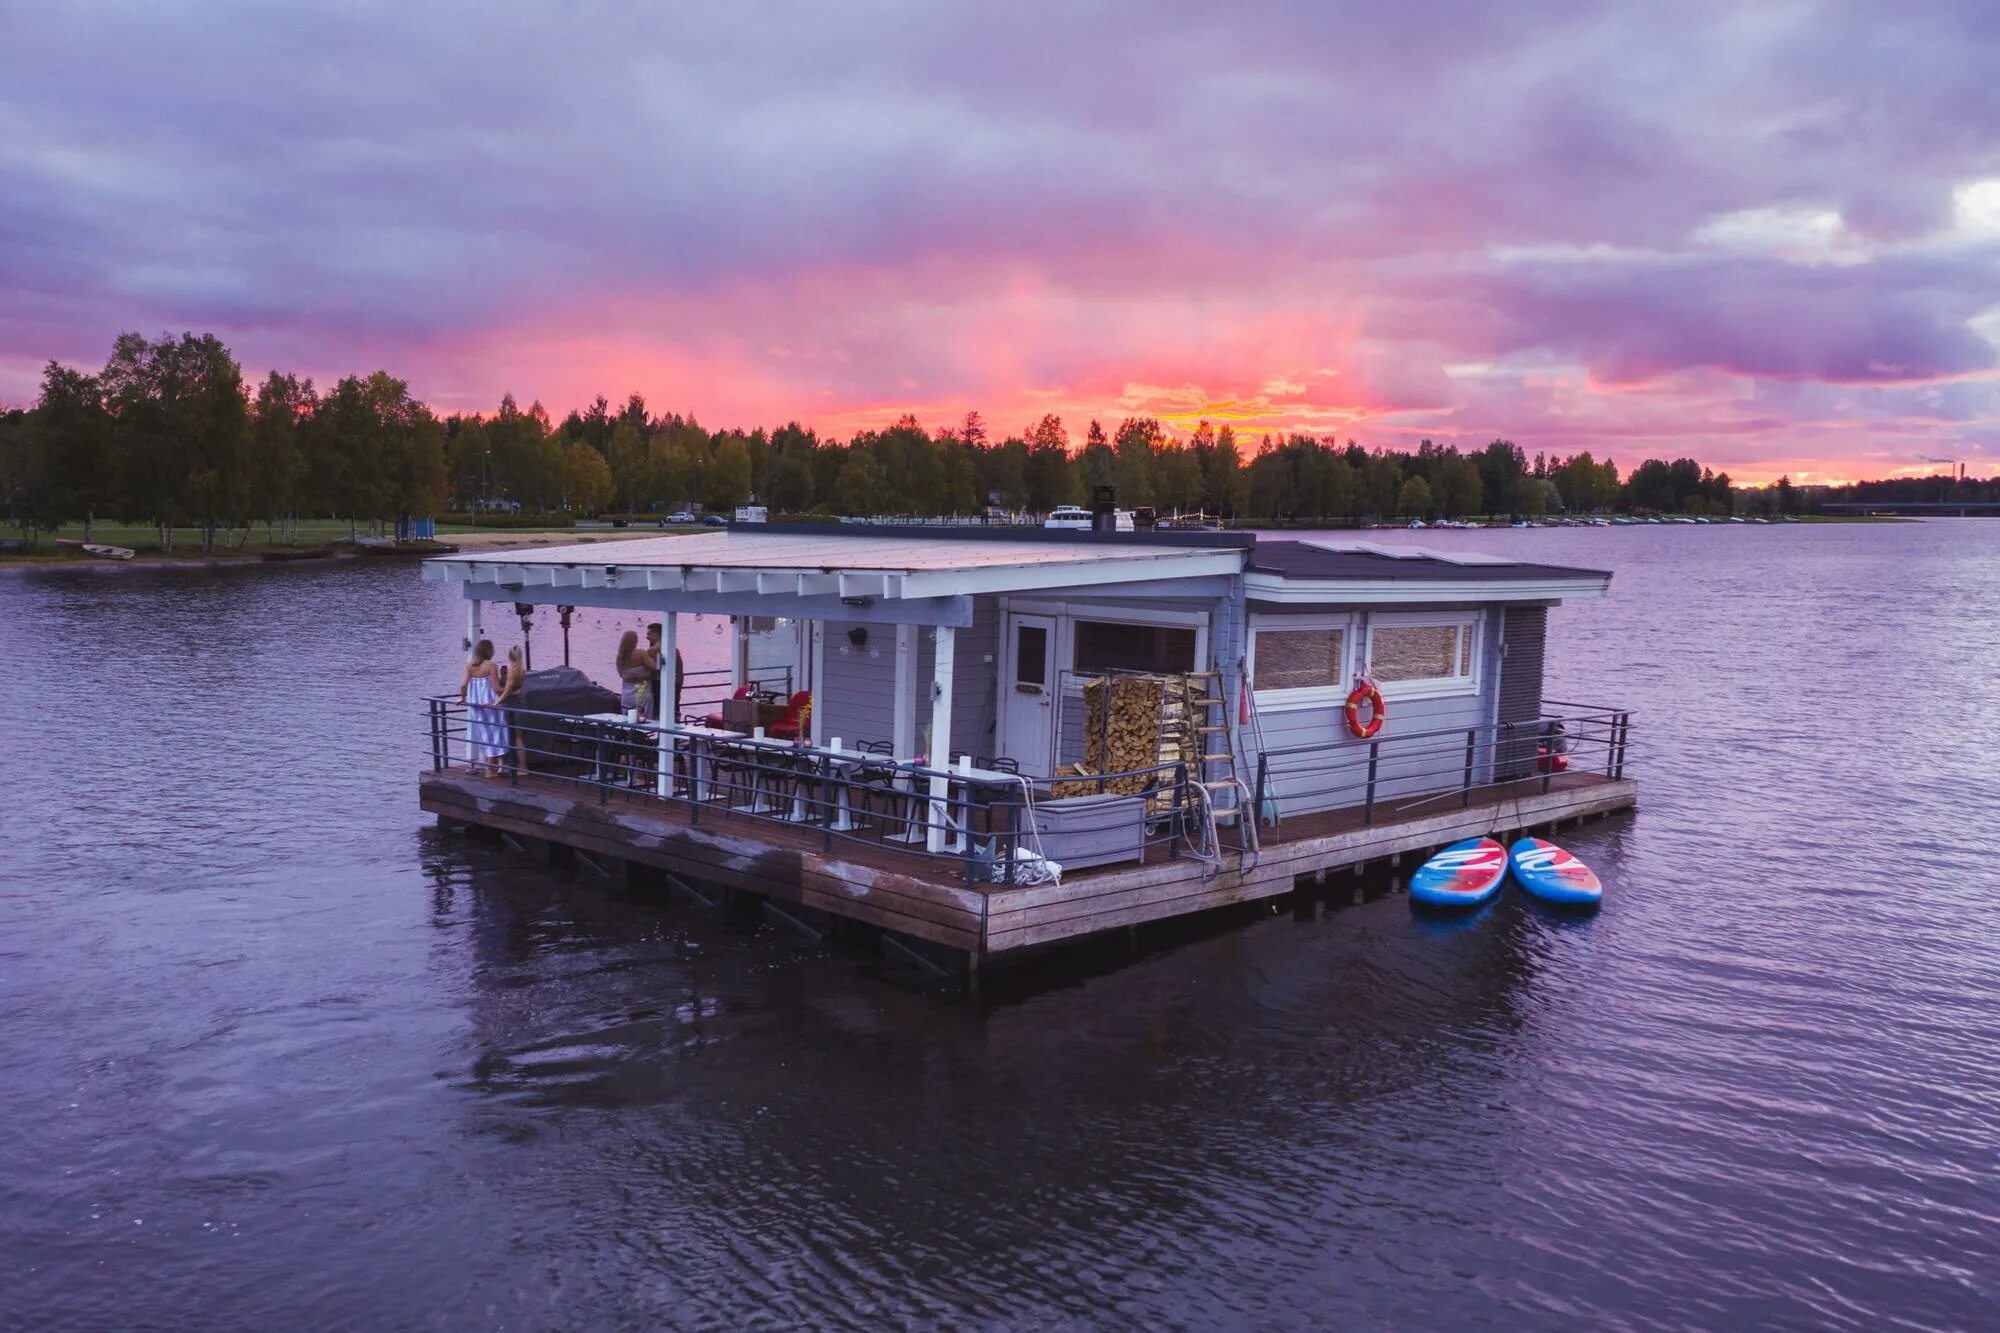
1363	560
938	563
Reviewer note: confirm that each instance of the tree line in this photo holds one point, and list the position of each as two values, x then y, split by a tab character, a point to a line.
168	433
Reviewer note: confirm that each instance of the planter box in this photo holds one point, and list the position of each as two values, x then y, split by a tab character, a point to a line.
1078	832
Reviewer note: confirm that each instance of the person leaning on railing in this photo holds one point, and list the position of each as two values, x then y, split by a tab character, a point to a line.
513	679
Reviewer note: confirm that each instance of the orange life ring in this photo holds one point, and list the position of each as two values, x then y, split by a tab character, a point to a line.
1365	692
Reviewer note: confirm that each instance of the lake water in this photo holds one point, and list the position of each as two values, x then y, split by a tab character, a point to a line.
277	1052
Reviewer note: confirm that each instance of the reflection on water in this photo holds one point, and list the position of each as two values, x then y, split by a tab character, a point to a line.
274	1044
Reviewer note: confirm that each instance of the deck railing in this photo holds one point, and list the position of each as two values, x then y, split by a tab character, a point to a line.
703	691
1411	771
975	824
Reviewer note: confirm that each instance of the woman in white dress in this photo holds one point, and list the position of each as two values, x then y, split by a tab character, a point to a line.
485	730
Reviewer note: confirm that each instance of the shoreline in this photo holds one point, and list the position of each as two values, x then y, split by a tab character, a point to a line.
67	558
528	539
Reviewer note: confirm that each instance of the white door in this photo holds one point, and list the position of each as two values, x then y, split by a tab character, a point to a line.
1028	692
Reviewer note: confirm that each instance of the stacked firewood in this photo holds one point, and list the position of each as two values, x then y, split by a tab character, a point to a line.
1131	722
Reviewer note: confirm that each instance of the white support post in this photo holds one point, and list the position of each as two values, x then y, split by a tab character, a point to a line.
903	726
739	652
815	671
940	756
664	706
471	637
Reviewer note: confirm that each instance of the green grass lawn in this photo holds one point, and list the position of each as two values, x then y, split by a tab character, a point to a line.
145	539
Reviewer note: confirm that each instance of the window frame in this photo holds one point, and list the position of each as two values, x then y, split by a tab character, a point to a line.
1067	613
1472	622
1305	696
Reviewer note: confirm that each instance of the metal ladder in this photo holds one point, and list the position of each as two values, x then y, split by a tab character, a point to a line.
1208	720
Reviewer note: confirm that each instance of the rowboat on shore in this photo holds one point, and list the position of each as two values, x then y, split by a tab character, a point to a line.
417	547
98	549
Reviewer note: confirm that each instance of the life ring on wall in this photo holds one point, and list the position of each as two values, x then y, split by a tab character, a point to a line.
1366	692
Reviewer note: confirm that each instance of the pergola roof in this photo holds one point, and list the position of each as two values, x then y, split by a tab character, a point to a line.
832	564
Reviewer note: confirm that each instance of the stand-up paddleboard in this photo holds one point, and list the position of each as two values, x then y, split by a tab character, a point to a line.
1548	872
1464	874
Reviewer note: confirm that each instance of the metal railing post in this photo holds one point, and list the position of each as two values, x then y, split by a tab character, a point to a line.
829	801
1263	780
1471	744
1374	763
970	856
597	772
1180	812
1013	838
697	788
437	735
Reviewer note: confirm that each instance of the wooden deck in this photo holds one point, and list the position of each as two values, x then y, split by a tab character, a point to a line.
922	897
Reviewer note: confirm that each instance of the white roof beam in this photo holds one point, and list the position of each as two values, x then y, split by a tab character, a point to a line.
665	580
864	585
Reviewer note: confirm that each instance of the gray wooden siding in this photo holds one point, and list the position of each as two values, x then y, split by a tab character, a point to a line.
1331	772
860	703
975	675
1526	636
860	689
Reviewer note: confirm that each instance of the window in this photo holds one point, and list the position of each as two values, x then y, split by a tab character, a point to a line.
1424	655
1104	645
1300	659
1031	655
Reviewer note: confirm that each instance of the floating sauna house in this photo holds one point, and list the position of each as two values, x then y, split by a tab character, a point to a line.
996	740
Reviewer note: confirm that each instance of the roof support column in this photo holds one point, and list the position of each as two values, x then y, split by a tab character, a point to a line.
902	727
471	624
815	668
668	706
940	749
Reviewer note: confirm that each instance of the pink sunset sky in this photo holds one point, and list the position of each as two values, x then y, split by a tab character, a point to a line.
1763	235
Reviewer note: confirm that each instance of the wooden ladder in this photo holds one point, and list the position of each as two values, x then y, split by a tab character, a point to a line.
1215	752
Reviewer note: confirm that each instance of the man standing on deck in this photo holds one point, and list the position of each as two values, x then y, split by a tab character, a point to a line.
653	636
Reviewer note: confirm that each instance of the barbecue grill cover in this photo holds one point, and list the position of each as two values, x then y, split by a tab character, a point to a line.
564	690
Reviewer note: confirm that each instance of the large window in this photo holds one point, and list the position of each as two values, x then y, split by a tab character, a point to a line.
1414	656
1300	659
1103	645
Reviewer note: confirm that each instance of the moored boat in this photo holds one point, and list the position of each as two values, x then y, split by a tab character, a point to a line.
282	554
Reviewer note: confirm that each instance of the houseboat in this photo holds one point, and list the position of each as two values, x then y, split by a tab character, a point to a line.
990	741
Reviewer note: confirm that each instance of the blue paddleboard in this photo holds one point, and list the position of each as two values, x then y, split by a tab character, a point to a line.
1462	875
1548	872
